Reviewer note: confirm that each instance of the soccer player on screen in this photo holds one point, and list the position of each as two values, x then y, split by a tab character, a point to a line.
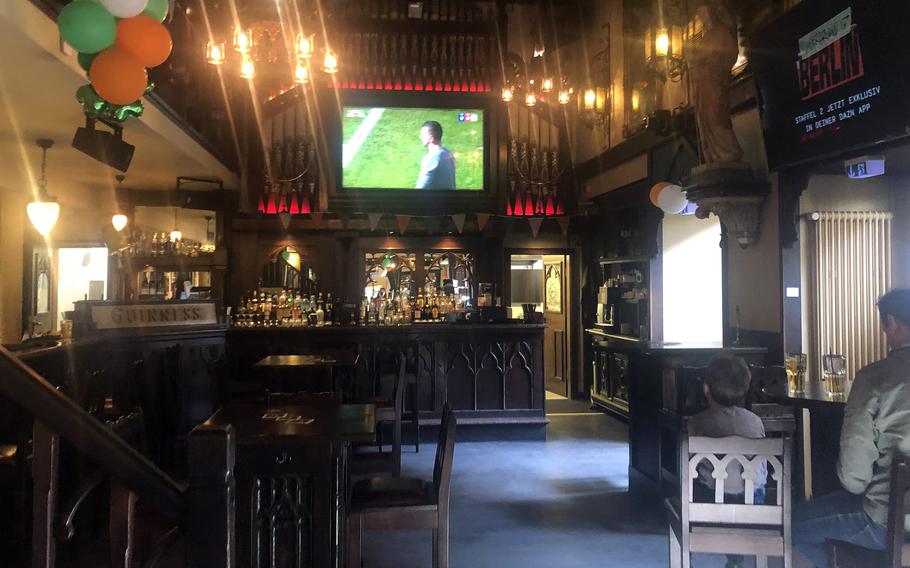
437	168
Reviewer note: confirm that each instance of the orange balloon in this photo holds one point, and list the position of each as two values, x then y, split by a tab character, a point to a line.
117	77
145	38
655	191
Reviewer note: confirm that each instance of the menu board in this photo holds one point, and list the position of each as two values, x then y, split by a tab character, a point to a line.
832	77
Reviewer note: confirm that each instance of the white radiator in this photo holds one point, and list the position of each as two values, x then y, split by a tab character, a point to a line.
849	264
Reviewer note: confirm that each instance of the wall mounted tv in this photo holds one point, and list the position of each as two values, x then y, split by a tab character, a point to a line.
832	78
413	148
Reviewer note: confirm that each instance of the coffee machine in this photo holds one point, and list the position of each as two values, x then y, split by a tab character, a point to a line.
605	309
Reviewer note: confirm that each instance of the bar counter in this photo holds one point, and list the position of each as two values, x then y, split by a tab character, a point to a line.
654	385
819	421
489	373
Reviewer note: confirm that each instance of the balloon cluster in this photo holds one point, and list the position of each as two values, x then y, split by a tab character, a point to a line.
670	198
116	40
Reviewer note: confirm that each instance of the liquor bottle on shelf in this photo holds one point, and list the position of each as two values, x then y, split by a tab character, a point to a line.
329	310
320	313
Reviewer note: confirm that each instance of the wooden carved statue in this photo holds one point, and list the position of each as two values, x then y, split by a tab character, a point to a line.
711	60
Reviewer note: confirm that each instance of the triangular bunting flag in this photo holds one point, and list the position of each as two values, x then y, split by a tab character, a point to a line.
285	219
374	219
535	223
316	216
564	224
482	219
403	221
458	219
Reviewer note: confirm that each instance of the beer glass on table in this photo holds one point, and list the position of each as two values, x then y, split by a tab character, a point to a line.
795	365
834	371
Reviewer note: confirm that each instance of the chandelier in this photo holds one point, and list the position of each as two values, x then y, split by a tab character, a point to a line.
271	41
534	81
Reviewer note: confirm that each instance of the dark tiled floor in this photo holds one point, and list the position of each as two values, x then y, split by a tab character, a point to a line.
554	503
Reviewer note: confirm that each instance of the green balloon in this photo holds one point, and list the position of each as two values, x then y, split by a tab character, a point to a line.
85	60
88	27
156	9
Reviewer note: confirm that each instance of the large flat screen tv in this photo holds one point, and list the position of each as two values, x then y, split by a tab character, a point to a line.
832	78
410	148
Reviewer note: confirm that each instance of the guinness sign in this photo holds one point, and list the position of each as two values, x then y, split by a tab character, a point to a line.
125	316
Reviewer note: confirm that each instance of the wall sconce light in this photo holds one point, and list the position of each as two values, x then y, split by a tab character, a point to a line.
664	48
593	106
507	94
635	100
44	210
530	99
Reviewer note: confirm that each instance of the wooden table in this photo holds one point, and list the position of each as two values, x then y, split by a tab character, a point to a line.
819	421
330	360
290	475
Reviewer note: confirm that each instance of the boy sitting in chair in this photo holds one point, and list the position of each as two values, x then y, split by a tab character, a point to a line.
726	384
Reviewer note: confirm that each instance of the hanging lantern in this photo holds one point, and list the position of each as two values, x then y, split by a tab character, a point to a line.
44	211
243	40
301	73
214	53
330	62
247	69
304	45
507	94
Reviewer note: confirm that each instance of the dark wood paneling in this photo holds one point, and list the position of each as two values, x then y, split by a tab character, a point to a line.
488	373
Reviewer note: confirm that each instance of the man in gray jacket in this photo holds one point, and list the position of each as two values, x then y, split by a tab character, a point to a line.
876	425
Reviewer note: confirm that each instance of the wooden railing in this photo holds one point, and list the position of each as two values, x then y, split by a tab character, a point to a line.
132	476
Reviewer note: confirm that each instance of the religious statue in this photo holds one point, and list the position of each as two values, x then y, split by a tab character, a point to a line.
711	61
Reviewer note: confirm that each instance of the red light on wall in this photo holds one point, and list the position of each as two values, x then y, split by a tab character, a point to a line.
261	206
294	209
549	209
529	205
305	204
271	208
519	208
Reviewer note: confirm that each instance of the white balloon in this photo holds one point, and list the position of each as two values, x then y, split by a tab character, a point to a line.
125	8
672	199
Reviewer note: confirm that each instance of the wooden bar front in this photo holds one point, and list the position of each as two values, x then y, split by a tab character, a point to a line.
488	373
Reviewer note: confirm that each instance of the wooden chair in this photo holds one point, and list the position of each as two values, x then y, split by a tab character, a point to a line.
728	528
407	503
391	415
897	549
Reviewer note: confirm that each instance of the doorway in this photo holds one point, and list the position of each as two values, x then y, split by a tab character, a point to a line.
541	281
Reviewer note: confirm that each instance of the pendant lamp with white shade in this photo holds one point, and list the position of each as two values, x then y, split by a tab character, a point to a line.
44	210
119	220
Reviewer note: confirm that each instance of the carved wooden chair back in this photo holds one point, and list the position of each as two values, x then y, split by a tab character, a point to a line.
445	454
898	550
719	527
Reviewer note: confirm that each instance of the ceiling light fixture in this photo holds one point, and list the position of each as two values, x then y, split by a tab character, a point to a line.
176	234
264	44
119	220
44	210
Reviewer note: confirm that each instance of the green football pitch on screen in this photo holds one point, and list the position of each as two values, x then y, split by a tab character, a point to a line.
382	147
